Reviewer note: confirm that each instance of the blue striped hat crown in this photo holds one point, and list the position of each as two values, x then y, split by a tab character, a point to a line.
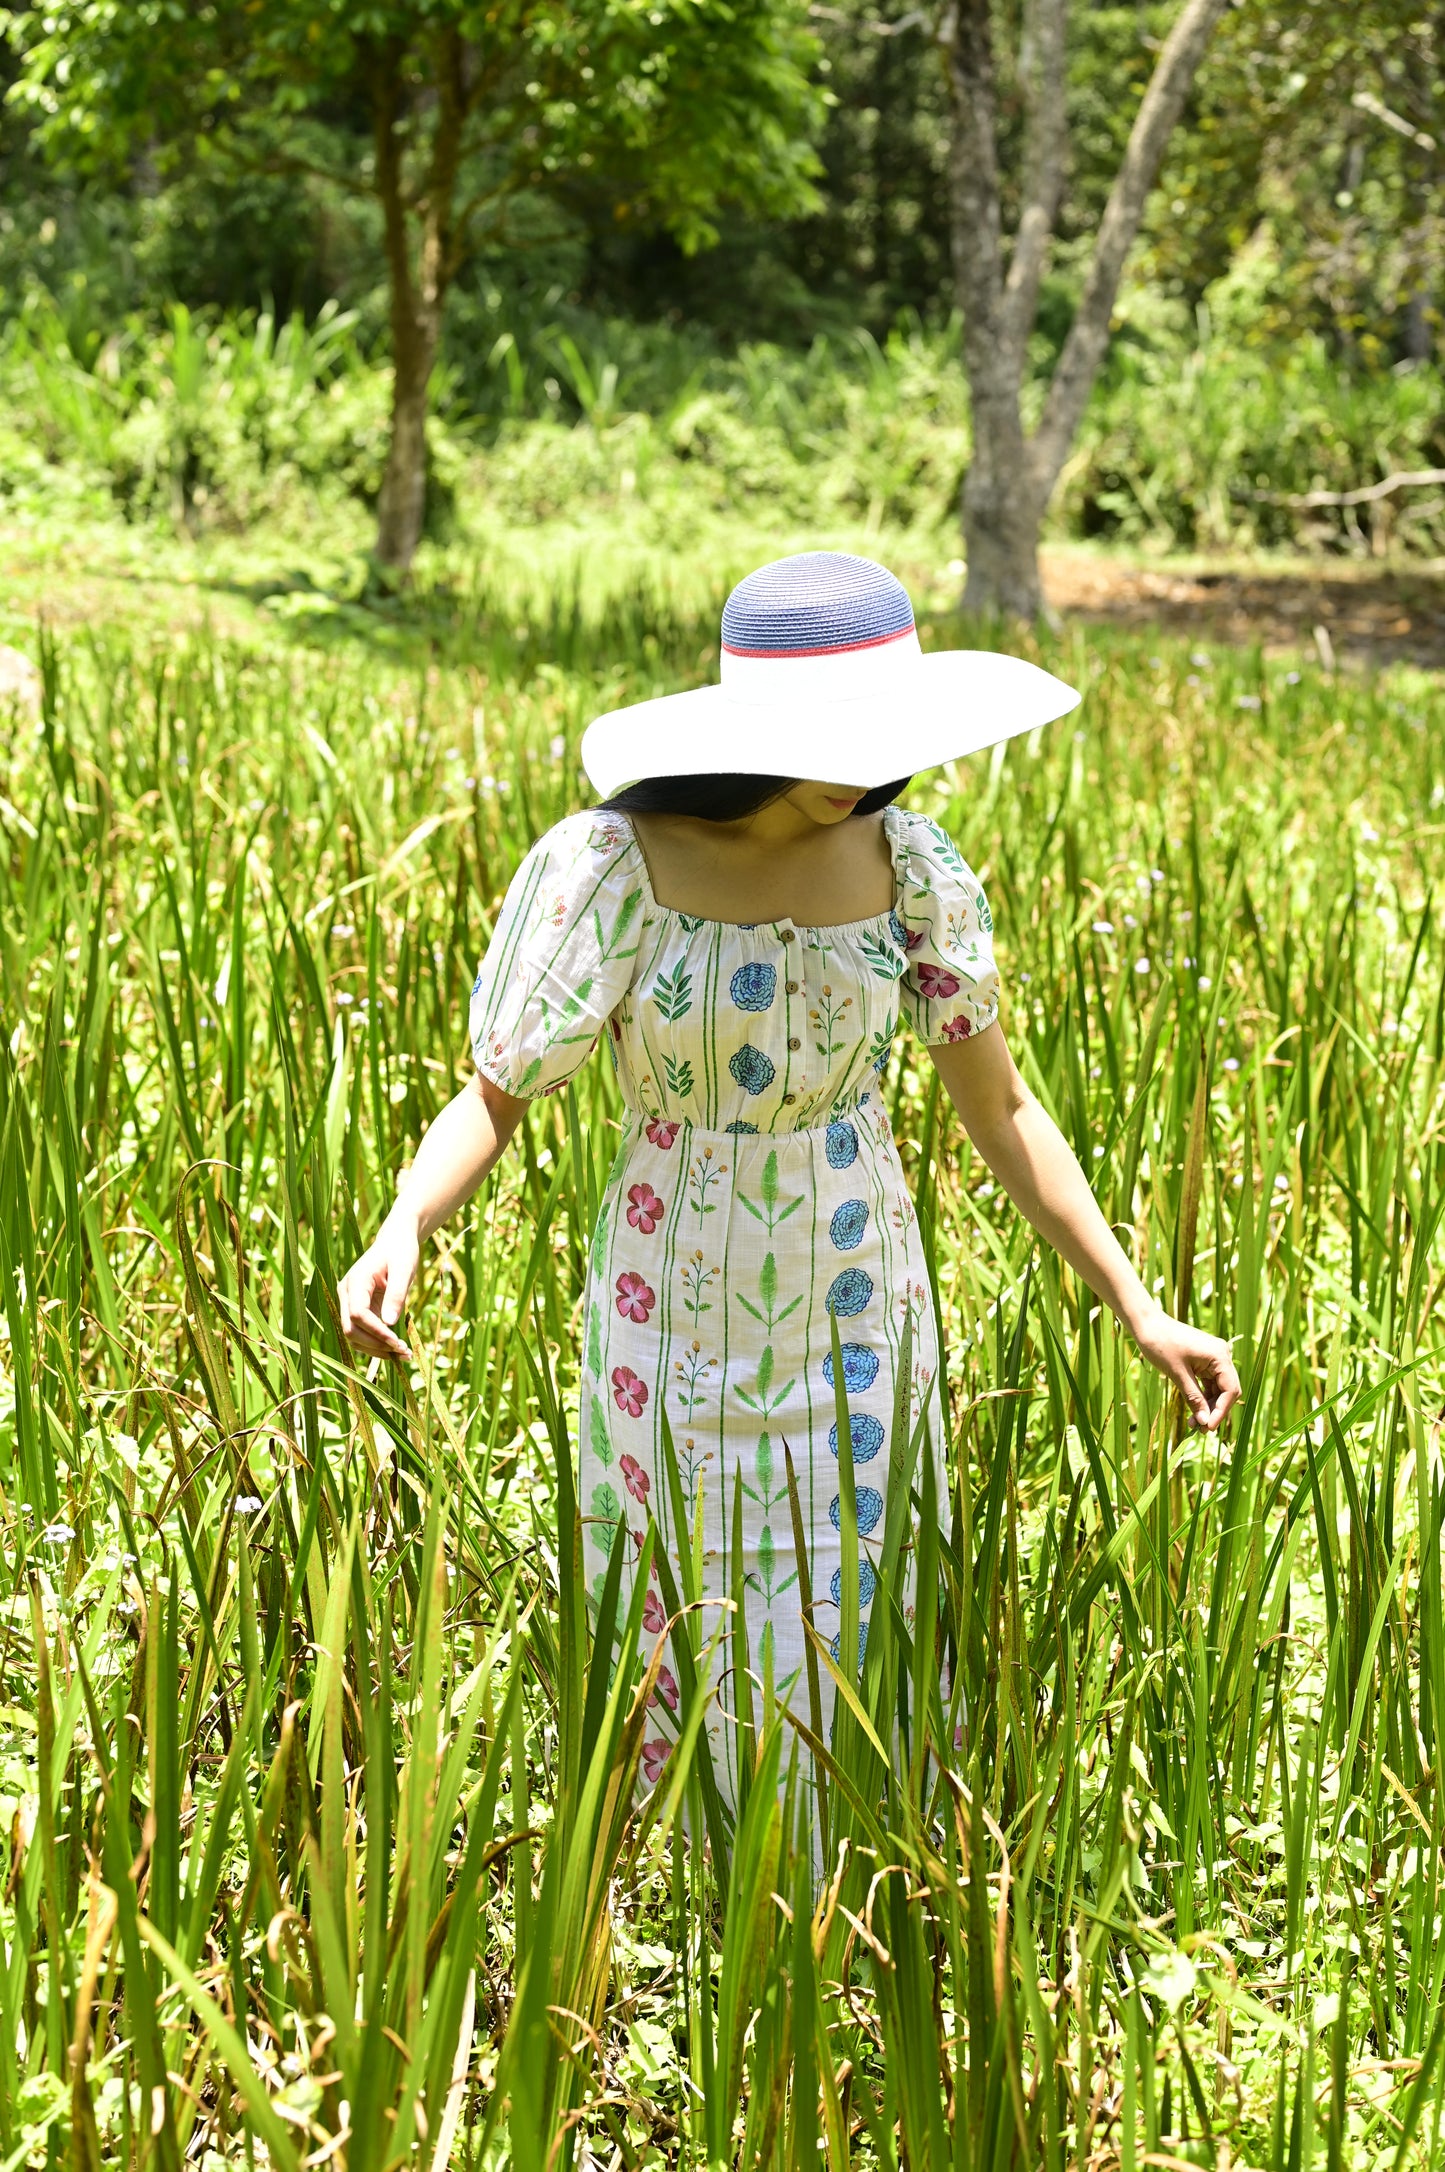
820	603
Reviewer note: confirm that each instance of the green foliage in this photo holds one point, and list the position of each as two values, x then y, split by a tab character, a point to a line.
668	109
321	1823
217	422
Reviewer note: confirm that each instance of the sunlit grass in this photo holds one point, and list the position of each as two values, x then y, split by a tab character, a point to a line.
323	1836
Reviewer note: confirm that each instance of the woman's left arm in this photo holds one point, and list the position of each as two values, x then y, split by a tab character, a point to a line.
1033	1162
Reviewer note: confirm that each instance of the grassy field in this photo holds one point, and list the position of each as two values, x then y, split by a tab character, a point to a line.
323	1842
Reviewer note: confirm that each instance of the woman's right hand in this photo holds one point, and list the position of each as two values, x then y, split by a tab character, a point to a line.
372	1294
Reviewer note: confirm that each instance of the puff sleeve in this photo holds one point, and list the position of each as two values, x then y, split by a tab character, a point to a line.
949	989
561	957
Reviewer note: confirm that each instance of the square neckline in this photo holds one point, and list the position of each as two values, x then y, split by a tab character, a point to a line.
782	920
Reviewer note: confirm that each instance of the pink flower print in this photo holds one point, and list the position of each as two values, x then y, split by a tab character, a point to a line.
654	1619
634	1477
644	1209
616	1026
934	982
957	1029
628	1392
634	1299
654	1756
662	1134
667	1690
914	938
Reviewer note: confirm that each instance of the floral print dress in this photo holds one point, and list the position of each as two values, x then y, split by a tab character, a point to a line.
756	1189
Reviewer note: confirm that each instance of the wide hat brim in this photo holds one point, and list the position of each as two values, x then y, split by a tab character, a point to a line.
934	708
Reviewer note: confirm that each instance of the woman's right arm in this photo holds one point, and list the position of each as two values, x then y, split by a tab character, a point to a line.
459	1149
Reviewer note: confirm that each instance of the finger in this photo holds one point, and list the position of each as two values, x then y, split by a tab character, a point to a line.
371	1333
394	1303
1193	1395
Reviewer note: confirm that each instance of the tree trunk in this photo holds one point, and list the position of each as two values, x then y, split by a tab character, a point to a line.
1001	516
401	508
418	297
1011	477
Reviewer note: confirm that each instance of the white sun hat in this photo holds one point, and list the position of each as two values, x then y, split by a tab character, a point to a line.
823	678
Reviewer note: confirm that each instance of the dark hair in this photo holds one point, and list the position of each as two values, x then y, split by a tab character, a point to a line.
719	797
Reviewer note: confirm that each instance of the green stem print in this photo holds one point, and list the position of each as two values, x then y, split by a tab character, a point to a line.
828	1019
697	1280
691	1464
703	1175
691	1371
771	1211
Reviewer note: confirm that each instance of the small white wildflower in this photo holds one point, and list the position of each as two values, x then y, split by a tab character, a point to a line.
1205	982
247	1503
1103	927
1231	1063
1247	701
57	1534
1141	965
1369	833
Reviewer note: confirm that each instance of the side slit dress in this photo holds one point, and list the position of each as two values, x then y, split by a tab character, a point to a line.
756	1190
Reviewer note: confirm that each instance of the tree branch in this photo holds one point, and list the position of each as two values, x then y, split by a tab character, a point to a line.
1368	494
1043	59
1078	365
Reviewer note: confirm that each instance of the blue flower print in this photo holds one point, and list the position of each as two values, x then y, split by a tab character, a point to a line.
866	1433
860	1367
739	1128
870	1508
848	1224
841	1145
862	1644
753	987
867	1583
899	930
753	1070
849	1292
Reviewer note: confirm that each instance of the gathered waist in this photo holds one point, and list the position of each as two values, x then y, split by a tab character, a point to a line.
664	1131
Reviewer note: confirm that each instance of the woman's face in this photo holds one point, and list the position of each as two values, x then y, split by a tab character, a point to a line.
825	803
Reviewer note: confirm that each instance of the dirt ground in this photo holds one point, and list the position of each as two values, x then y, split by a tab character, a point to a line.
1350	614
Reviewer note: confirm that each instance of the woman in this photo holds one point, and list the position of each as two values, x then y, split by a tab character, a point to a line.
750	942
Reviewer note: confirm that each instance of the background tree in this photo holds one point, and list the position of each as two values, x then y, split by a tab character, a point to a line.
1012	472
455	111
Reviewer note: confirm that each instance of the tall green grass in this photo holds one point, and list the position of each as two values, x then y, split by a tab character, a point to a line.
1196	432
324	1838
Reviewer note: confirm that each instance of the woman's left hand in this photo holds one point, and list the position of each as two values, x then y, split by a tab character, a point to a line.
1199	1365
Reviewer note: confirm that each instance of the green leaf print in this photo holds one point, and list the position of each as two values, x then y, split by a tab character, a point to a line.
678	1076
884	960
769	1212
601	1442
768	1291
945	852
765	1463
672	992
608	945
607	1511
985	917
766	1557
762	1401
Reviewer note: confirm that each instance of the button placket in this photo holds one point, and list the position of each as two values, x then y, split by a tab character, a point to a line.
792	987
